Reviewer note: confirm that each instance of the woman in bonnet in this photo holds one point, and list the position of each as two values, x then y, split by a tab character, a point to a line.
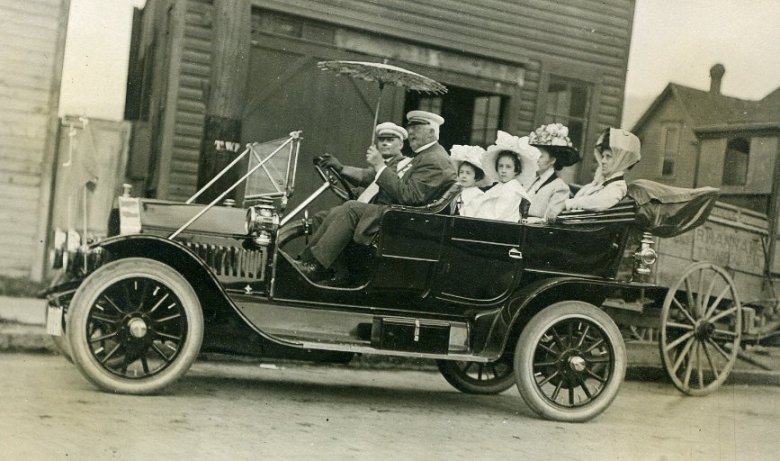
549	192
616	151
513	161
471	176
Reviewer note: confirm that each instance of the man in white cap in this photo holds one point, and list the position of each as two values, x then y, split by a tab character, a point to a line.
389	141
429	175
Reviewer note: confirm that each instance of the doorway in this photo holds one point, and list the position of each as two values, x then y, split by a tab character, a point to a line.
470	117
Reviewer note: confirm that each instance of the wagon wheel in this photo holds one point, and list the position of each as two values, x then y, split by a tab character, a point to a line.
134	326
701	326
478	378
570	361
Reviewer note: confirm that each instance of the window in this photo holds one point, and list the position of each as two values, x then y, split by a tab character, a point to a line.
671	145
471	117
735	164
430	104
287	25
484	122
568	102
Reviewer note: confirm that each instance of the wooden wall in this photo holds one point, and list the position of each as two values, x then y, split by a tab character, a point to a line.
32	34
586	40
90	170
651	133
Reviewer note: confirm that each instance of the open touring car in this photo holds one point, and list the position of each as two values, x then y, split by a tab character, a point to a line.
495	303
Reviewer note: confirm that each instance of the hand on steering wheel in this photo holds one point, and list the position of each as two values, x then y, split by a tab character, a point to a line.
338	184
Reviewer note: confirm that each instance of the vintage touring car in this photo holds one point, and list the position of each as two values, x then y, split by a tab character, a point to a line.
495	303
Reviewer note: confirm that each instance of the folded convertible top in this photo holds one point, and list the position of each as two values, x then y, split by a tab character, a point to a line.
668	211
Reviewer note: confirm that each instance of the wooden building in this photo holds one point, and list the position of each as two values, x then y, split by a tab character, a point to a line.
249	66
696	138
31	57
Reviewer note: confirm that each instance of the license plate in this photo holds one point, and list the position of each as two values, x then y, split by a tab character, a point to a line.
54	320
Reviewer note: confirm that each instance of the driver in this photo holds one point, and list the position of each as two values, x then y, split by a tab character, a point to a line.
429	175
389	141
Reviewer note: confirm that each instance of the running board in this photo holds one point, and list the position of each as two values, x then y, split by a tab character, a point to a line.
358	349
362	332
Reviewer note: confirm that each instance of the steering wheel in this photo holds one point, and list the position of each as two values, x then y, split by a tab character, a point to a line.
338	184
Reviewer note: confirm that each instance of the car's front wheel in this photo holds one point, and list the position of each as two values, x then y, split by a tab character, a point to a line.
478	378
134	326
570	361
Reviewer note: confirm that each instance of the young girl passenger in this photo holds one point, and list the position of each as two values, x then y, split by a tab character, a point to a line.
513	161
471	176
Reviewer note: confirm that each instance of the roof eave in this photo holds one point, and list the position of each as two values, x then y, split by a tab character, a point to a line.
651	109
730	128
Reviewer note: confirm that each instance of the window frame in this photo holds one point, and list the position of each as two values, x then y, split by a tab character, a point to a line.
669	154
582	171
742	181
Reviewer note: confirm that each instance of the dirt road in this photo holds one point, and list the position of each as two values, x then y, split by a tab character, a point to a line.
237	411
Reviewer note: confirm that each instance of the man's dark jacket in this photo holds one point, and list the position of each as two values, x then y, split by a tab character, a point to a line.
430	175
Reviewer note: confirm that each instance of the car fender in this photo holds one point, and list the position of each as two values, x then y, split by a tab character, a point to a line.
535	296
212	295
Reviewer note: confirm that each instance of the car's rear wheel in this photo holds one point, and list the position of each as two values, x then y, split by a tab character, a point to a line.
135	326
478	378
569	362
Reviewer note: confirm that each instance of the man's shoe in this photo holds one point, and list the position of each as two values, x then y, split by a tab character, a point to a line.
312	270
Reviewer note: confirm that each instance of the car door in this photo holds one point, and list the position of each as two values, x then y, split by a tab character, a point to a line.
481	261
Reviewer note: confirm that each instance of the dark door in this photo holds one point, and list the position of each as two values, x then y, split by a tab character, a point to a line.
470	117
288	92
481	261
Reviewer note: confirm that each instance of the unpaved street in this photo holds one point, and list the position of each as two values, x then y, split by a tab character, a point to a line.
234	411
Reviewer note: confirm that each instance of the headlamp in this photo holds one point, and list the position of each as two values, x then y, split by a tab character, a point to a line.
262	221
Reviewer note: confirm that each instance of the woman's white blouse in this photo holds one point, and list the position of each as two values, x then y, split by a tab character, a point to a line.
596	196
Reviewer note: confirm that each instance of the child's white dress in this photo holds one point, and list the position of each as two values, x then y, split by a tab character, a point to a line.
502	202
469	200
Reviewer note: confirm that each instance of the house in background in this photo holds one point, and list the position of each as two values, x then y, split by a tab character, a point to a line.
31	59
695	138
246	70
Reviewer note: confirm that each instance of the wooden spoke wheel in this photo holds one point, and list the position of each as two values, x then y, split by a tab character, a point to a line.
478	378
701	326
570	361
134	326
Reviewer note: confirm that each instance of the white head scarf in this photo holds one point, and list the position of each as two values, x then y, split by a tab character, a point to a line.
625	147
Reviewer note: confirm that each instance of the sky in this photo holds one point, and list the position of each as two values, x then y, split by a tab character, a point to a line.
672	41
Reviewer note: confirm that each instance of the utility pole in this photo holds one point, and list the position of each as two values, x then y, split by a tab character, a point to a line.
226	94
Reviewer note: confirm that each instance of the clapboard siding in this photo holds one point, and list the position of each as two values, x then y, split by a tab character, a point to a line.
31	61
584	34
190	103
580	39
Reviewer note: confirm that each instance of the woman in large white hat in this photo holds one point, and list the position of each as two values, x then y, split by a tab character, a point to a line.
616	151
548	192
513	161
471	176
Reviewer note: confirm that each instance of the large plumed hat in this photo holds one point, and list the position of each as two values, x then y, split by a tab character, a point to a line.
554	138
391	129
472	155
527	154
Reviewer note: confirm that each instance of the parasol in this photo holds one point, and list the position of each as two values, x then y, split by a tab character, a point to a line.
383	74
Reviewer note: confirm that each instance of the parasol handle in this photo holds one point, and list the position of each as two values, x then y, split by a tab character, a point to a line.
376	113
